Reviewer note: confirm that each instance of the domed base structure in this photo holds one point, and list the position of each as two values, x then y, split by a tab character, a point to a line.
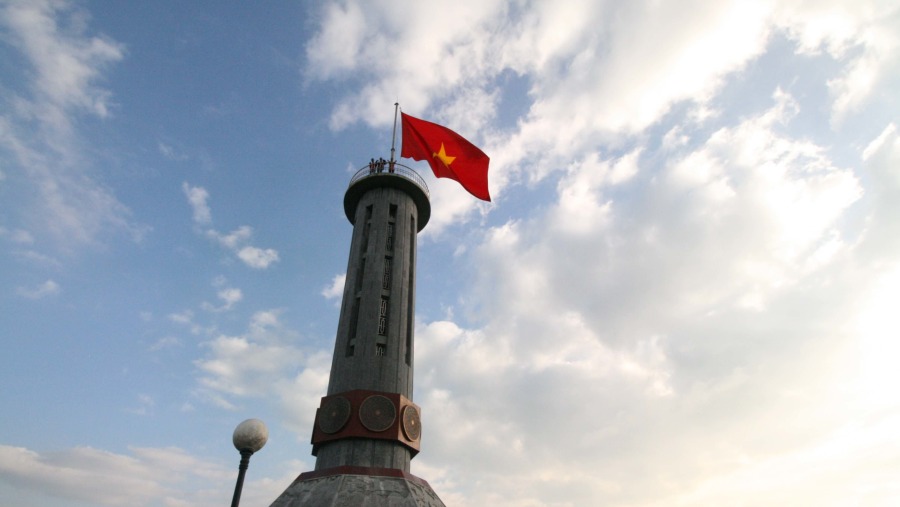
358	487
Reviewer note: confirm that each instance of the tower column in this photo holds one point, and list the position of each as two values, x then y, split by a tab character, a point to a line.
367	428
373	347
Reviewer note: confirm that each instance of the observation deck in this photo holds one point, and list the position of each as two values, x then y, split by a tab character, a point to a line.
402	178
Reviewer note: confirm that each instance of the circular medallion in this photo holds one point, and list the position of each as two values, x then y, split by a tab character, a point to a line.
412	425
377	413
334	414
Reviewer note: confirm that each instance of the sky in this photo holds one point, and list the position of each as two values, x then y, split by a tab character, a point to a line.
684	292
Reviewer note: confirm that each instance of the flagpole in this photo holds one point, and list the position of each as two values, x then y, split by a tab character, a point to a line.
394	135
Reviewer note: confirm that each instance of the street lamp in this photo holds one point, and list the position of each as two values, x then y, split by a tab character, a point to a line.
249	437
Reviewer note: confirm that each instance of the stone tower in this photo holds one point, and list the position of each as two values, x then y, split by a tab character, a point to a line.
367	429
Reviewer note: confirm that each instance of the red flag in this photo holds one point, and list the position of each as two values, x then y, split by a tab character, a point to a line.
448	154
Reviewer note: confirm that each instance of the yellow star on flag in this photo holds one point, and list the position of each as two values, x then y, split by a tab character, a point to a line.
443	157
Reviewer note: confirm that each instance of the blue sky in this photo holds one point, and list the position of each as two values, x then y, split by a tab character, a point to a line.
683	293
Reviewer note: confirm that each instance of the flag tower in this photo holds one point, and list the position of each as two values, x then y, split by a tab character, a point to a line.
367	429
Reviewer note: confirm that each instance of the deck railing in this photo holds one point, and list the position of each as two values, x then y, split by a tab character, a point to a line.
399	170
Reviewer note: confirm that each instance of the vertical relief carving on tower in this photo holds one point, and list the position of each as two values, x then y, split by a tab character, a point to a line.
351	334
383	316
386	275
357	284
386	283
411	290
368	224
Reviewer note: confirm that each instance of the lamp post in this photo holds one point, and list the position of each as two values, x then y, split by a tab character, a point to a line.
249	437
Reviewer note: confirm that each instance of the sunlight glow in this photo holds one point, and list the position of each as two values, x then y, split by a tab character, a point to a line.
878	324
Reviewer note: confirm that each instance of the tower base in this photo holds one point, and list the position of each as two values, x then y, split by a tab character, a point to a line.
348	486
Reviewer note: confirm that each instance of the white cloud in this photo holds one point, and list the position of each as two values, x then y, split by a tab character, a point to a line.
37	134
145	405
165	342
233	239
263	362
66	62
595	71
882	231
250	255
48	288
879	142
258	258
171	152
817	474
229	296
197	197
266	362
635	325
336	289
21	237
144	476
38	258
356	35
186	318
862	34
236	240
241	366
119	480
588	62
183	318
